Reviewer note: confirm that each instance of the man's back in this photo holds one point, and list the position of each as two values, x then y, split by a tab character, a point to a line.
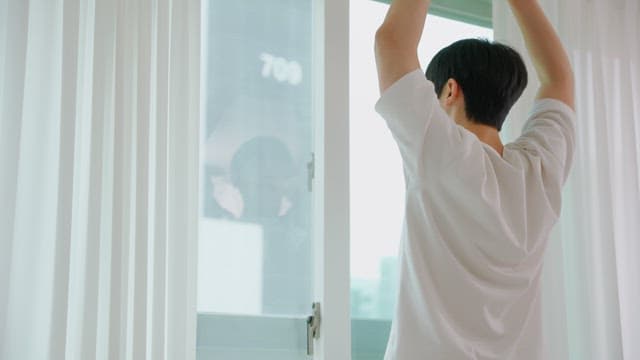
476	227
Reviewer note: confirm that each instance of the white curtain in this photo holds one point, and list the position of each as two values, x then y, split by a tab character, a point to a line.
591	280
99	157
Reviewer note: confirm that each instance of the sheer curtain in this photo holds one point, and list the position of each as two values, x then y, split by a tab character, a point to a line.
592	270
99	135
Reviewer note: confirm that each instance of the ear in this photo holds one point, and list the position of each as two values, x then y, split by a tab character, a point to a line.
451	92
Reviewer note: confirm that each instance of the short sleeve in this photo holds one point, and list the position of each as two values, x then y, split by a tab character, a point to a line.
549	133
427	138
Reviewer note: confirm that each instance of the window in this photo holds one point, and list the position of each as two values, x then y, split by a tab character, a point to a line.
258	219
377	184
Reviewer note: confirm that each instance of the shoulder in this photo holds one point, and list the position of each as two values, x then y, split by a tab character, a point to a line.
550	134
551	110
411	88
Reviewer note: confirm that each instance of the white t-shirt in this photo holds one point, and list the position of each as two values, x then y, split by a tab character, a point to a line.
475	230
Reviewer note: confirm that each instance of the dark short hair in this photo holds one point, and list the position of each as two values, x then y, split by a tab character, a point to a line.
492	77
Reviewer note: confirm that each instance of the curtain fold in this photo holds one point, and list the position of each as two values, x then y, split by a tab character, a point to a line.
99	121
590	281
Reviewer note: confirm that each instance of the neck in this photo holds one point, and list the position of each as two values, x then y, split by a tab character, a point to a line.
486	134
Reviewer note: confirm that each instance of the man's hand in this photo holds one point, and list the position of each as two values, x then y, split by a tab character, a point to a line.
549	57
396	43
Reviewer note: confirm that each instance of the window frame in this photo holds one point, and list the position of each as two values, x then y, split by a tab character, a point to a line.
476	12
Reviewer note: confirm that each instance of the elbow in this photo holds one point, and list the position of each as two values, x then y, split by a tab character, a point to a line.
559	88
383	39
564	77
389	34
388	41
570	78
391	38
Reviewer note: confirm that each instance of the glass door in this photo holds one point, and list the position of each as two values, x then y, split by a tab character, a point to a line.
256	253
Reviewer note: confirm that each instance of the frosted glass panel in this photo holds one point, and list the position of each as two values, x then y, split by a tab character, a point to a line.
230	257
254	259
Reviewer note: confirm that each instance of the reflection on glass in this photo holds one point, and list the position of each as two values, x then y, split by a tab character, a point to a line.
255	239
377	184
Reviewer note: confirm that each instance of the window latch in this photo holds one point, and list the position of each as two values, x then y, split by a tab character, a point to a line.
313	327
311	172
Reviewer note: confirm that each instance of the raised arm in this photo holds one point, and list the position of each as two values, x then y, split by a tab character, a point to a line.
549	57
397	39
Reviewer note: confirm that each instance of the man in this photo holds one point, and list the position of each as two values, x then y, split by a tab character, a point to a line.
478	213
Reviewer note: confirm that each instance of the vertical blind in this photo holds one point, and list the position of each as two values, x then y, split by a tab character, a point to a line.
98	178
